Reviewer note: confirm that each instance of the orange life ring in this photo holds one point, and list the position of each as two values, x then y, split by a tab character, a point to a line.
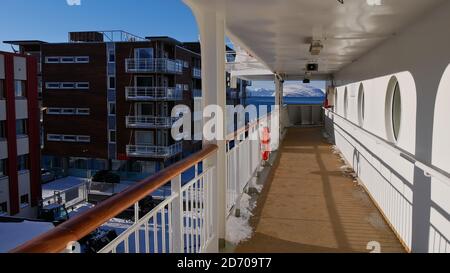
265	143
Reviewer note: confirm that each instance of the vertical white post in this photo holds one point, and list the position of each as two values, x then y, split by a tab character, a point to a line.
177	216
277	126
238	173
212	39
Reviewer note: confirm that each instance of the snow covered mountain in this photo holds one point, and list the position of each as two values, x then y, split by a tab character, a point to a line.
290	90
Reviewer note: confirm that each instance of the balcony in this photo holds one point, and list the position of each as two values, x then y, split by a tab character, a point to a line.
150	122
153	66
153	94
148	151
197	73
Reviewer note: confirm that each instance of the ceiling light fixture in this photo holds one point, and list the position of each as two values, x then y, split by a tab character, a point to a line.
316	47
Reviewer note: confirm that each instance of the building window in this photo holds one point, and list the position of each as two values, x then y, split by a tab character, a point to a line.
52	85
22	163
21	127
143	53
3	167
111	108
2	129
3	208
361	104
84	139
67	60
24	201
112	136
52	60
186	64
67	85
68	111
111	82
186	87
82	59
83	111
20	89
78	163
82	85
2	90
69	138
54	111
51	137
112	56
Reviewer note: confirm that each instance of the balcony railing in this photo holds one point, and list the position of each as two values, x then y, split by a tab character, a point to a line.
197	73
153	93
148	151
197	93
153	66
150	122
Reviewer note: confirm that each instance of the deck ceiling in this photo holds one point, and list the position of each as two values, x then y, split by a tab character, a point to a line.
279	32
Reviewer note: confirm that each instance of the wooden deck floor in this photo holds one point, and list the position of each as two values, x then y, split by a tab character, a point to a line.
309	205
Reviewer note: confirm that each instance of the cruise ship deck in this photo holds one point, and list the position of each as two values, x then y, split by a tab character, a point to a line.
386	65
310	204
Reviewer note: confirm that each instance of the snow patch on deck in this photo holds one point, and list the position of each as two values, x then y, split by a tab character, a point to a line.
238	228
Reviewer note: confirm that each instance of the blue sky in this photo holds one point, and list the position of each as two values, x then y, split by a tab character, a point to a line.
51	20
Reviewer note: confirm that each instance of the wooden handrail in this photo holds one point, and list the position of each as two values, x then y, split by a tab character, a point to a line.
235	134
57	239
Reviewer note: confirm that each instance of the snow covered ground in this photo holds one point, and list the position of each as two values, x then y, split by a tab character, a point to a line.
13	235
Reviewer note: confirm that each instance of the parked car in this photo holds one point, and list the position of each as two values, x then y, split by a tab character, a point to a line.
54	213
106	177
97	240
47	176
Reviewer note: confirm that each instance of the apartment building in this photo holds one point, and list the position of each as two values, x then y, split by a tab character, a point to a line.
19	135
108	98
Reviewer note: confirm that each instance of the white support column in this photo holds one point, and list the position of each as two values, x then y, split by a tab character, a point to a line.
279	111
212	39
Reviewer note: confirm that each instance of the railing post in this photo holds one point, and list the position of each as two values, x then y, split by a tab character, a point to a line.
177	216
237	206
212	33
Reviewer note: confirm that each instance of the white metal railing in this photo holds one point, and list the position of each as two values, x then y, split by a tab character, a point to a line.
244	158
197	93
154	151
392	172
137	93
149	122
182	223
197	73
154	65
69	197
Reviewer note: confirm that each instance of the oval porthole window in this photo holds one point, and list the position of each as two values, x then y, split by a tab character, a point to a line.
394	109
361	105
335	100
345	102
